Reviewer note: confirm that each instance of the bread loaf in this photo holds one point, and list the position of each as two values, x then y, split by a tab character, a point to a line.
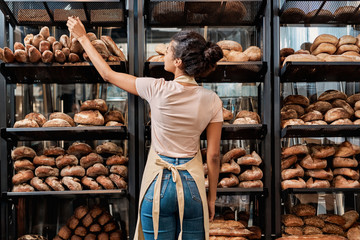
231	167
319	16
290	220
22	177
66	160
345	48
319	151
56	123
324	48
341	182
73	184
230	45
101	48
106	183
324	38
44	45
320	174
59	56
47	56
232	154
90	183
37	39
338	58
46	171
295	150
118	180
339	162
253	53
53	151
299	109
22	152
293	230
89	117
288	162
120	170
24	187
37	117
97	169
76	47
20	56
312	116
113	48
304	210
252	159
51	40
96	104
9	56
237	56
251	184
23	165
109	148
28	39
313	163
348	172
39	184
34	55
72	171
335	114
293	183
311	183
26	123
342	122
296	99
230	181
254	173
114	115
79	149
292	173
44	160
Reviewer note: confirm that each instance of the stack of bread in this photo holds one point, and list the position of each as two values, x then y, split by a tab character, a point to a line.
221	229
90	224
45	48
341	14
331	107
318	164
304	223
239	170
326	48
77	168
93	113
242	117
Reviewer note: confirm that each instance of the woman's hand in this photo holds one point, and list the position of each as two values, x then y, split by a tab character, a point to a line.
211	206
76	28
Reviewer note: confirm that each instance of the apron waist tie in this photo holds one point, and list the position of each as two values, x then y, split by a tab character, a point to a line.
179	190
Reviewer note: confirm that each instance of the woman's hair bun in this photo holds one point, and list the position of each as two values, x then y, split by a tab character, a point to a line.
212	53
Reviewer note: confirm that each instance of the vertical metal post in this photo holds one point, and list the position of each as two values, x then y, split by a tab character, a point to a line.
276	120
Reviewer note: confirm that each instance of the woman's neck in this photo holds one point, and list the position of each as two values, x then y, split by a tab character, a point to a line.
178	73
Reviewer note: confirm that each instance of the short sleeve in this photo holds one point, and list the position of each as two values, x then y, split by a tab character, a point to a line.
148	87
217	111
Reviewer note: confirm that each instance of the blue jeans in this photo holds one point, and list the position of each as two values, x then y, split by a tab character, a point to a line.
169	222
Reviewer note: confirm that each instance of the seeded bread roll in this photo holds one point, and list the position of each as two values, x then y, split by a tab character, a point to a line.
90	160
89	117
66	160
63	116
96	170
330	95
22	177
73	184
23	165
44	160
54	183
39	184
116	160
26	123
22	152
24	187
56	123
109	148
72	171
79	149
90	183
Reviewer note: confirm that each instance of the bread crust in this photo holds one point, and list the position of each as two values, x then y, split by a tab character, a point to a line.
96	170
89	117
56	123
54	183
109	148
22	152
37	117
230	45
72	171
303	210
335	114
44	160
23	165
22	176
91	159
79	149
66	160
320	174
26	123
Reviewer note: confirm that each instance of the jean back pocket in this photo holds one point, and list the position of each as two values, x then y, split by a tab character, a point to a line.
149	195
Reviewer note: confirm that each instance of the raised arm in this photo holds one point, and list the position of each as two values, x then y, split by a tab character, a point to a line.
122	80
213	133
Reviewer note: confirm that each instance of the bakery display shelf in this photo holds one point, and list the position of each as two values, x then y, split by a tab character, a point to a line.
181	13
60	73
319	190
110	13
225	72
232	131
243	191
319	12
320	71
69	194
320	131
64	133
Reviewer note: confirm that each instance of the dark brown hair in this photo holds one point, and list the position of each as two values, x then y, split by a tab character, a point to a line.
198	56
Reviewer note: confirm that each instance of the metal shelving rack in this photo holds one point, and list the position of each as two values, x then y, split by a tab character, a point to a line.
259	15
82	73
293	72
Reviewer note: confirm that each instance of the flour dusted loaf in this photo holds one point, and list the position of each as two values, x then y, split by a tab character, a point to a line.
89	117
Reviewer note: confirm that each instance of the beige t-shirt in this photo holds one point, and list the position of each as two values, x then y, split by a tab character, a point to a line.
179	114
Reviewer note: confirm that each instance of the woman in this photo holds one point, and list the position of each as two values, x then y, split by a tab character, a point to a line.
175	207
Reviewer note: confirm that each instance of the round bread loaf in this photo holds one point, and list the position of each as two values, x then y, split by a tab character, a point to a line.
253	53
289	114
116	160
345	13
320	106
314	221
26	123
335	114
303	210
293	230
47	56
59	56
346	149
109	148
73	58
322	16
63	116
312	116
44	46
37	117
76	47
44	160
9	56
73	184
106	183
169	12
114	115
237	56
320	174
28	39
109	227
39	184
343	104
353	99
123	171
54	183
56	123
299	109
79	149
22	177
119	181
96	104
72	171
330	95
66	160
324	38
351	53
23	165
89	117
291	122
90	160
293	183
297	99
230	45
346	48
253	115
290	220
292	15
90	183
311	183
46	171
24	187
53	151
342	122
310	230
324	48
22	152
96	170
20	56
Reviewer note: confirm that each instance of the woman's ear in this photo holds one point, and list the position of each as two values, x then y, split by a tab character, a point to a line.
177	62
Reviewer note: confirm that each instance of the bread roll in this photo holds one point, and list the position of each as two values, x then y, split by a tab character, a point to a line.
63	116
28	39
37	39
232	154
105	182
79	149
96	211
96	170
310	230
252	115
22	152
81	211
343	104
320	174
348	172
44	160
230	45
324	38
23	165
289	114
26	123
73	58
90	160
339	162
313	163
56	123
22	177
293	183
292	173
65	41
96	104
47	56
73	222
293	15
314	221
322	16
342	122
64	232
39	184
252	159
324	48
341	182
66	160
290	220
311	183
113	48
46	171
109	148
293	230
335	114
51	40
59	56
89	117
353	99
90	183
346	40
330	95
34	55
53	151
20	56
37	117
9	56
299	109
73	184
288	162
296	99
119	169
76	47
57	46
44	45
353	233
351	53
320	106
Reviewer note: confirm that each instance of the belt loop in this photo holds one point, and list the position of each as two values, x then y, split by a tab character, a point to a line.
177	161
